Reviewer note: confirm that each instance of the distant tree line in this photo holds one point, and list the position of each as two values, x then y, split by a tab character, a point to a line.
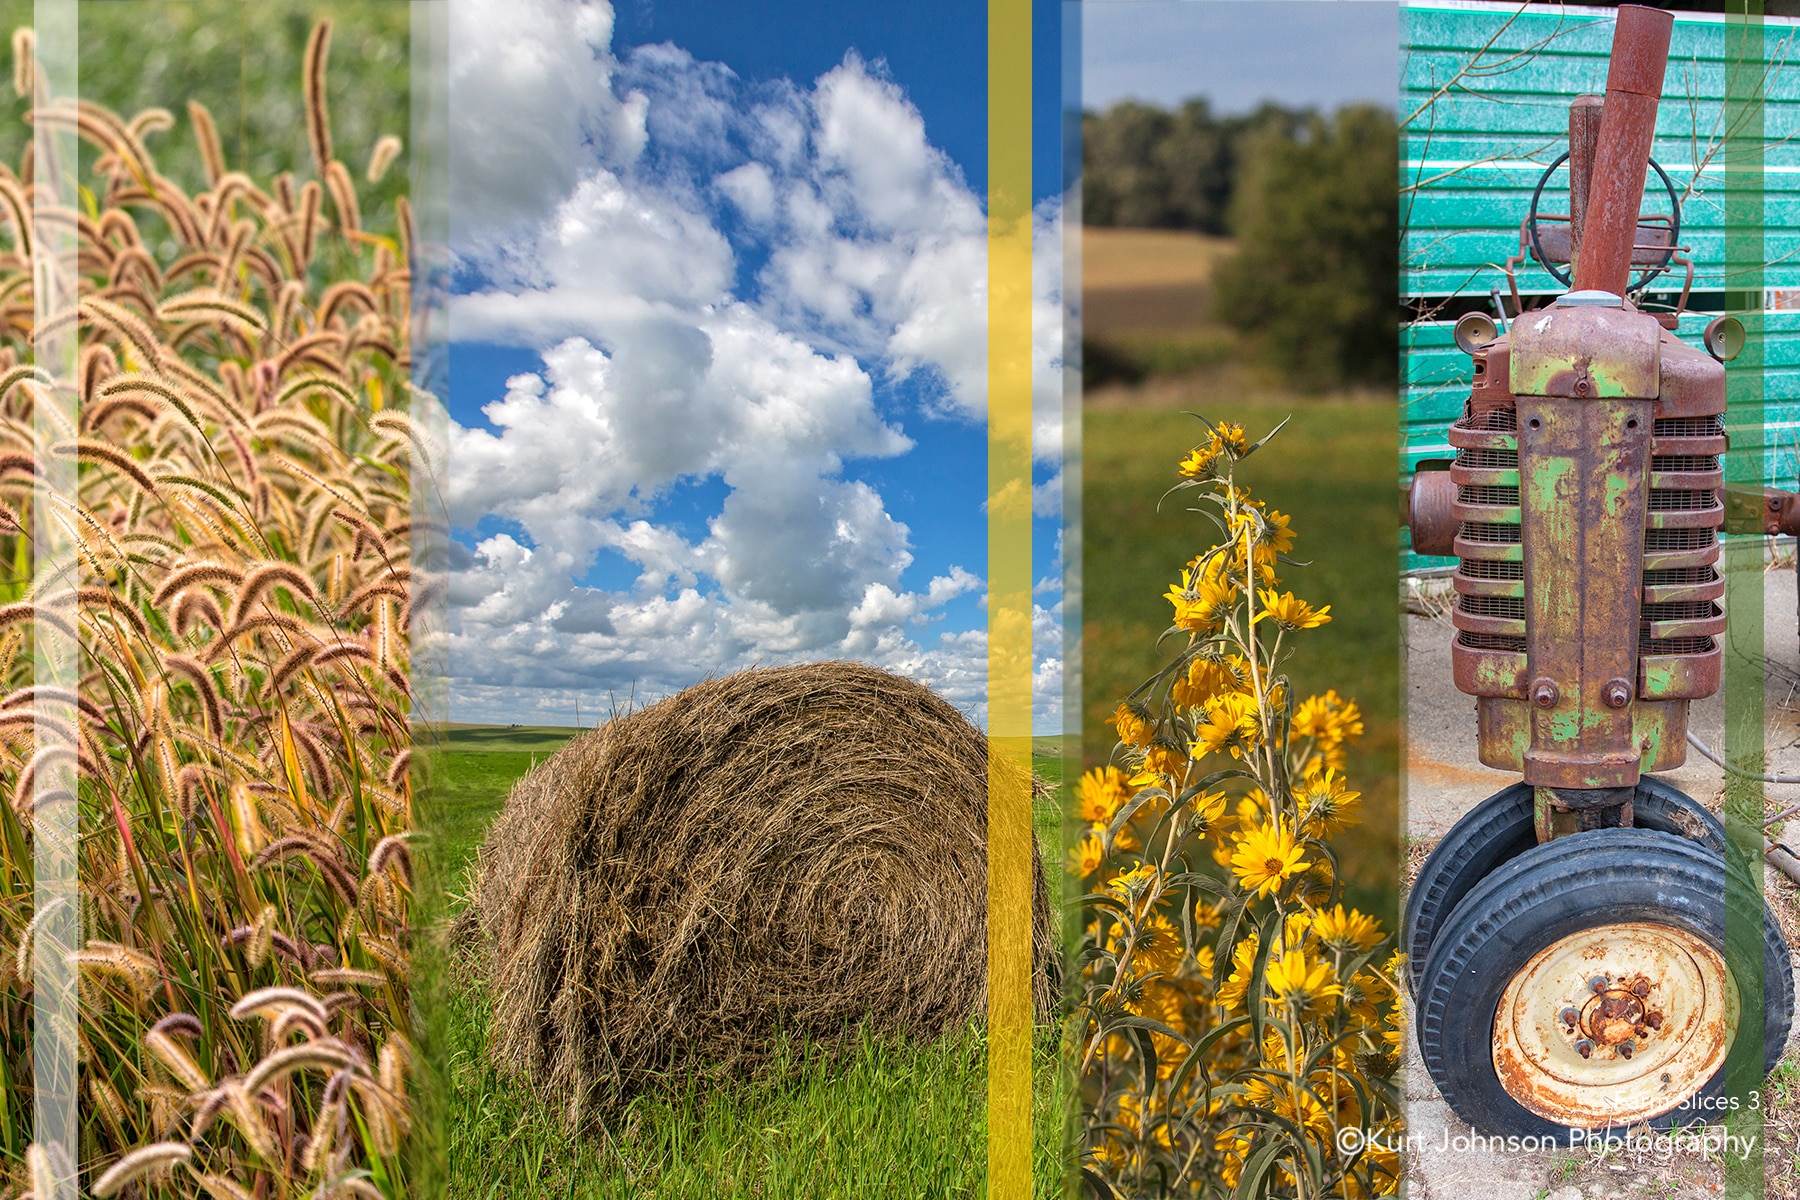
1311	201
1145	167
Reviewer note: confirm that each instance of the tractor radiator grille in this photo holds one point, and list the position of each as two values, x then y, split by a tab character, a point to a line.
1492	641
1679	645
1501	495
1675	500
1680	610
1667	427
1684	462
1677	576
1669	541
1485	458
1680	579
1495	534
1510	607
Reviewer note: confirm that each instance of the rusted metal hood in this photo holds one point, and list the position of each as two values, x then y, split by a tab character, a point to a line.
1587	346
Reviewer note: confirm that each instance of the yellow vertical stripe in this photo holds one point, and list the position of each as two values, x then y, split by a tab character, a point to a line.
1009	599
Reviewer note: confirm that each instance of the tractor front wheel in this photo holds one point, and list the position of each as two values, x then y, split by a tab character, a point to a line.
1500	828
1586	985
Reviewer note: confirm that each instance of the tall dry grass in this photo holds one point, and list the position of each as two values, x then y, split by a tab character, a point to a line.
242	526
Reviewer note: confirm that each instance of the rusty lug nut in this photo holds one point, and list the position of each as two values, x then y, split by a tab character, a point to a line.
1617	693
1625	1049
1654	1020
1641	988
1584	1048
1597	984
1570	1016
1544	694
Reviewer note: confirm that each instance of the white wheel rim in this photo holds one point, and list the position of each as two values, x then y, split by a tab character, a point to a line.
1655	1029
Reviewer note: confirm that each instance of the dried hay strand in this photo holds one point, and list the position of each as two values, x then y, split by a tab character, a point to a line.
795	849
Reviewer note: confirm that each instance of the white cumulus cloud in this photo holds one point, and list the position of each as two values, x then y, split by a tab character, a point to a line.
725	283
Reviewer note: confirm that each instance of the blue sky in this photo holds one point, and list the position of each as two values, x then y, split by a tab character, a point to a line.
716	367
937	51
1236	53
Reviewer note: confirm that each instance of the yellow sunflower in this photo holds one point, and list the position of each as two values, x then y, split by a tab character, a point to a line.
1243	961
1290	612
1129	885
1277	535
1327	807
1205	597
1103	791
1133	725
1209	807
1199	463
1228	437
1347	931
1232	723
1304	985
1087	856
1158	946
1207	676
1266	856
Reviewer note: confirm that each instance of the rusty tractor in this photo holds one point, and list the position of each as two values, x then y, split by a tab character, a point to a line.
1567	939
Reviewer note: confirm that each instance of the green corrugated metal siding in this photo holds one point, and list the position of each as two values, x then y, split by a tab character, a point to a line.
1477	152
1459	232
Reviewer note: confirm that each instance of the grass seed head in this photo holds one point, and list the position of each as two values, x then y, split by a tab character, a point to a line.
145	1161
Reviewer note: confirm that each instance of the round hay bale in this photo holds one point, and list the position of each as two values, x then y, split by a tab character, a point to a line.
798	849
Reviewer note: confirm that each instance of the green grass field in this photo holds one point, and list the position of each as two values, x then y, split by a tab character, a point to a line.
1332	470
891	1120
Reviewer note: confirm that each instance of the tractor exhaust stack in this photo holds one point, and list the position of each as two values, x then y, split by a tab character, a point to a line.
1634	79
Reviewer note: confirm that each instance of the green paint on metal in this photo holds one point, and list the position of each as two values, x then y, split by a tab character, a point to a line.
1749	92
1505	732
1491	675
1616	489
1548	479
1650	728
1583	494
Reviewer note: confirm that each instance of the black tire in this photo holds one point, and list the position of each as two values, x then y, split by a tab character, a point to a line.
1499	829
1579	882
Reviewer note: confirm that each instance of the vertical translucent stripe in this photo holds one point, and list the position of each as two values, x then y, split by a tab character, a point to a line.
56	900
428	193
428	347
1071	389
1009	599
1403	539
1071	487
1745	254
